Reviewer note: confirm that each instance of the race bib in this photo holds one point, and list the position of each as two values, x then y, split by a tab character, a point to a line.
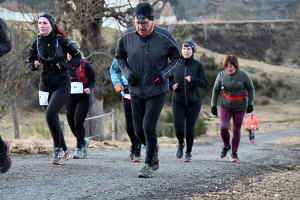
127	96
76	88
43	98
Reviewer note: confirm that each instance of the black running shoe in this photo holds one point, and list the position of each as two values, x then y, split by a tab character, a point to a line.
225	151
234	157
5	159
179	152
155	160
131	155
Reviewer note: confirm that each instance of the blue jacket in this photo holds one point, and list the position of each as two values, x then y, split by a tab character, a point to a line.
116	76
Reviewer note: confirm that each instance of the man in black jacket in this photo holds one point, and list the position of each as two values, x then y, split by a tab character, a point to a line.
143	55
5	47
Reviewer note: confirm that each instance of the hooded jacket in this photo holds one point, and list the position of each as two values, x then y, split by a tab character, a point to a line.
188	92
147	57
235	85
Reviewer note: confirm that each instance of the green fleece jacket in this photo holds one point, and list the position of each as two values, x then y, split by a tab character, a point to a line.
234	85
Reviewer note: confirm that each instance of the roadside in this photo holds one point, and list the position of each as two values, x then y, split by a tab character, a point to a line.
266	170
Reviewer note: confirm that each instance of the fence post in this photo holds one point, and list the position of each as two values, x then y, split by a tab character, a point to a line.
115	124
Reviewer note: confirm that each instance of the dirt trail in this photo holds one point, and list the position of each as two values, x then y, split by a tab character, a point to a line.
266	170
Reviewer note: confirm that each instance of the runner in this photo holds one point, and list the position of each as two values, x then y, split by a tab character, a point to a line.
49	50
5	47
186	104
121	85
80	101
237	98
251	124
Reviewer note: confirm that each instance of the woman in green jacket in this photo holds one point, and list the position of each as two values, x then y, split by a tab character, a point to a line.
237	98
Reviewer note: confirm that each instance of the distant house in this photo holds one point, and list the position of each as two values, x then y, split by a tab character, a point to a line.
167	15
15	12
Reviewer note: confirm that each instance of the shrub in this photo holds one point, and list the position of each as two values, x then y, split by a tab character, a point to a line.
255	83
280	83
200	127
263	74
209	63
265	101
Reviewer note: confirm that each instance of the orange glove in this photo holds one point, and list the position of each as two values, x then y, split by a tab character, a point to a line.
119	87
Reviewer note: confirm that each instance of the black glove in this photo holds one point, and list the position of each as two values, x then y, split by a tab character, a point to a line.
133	79
158	78
63	66
214	111
249	109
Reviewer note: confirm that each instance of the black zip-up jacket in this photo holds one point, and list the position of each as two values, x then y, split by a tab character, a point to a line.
188	92
43	49
5	41
146	57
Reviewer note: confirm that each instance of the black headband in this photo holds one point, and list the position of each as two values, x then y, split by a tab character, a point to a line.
49	17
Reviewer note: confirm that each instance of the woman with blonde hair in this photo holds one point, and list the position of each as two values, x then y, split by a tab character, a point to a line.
237	91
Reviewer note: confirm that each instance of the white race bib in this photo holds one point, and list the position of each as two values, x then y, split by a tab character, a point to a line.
76	88
127	96
43	98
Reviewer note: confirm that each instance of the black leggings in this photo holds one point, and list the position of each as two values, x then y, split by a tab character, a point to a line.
189	115
135	144
251	136
2	145
77	108
56	100
145	116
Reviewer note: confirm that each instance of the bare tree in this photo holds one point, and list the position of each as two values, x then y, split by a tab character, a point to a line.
12	75
87	16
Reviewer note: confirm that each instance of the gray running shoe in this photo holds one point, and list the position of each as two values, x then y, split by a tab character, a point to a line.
146	171
188	157
78	154
225	151
67	155
5	159
58	157
234	157
156	160
179	152
84	148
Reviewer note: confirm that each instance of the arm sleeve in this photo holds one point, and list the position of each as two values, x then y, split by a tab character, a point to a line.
32	56
5	40
115	73
175	58
201	79
216	91
73	51
121	56
90	74
250	89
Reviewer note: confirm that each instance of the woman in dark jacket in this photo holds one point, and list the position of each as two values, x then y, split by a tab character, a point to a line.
186	103
79	103
50	50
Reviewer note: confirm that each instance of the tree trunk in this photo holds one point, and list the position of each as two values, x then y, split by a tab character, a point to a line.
95	127
14	114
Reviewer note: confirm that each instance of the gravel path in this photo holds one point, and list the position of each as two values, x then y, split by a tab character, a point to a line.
266	171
